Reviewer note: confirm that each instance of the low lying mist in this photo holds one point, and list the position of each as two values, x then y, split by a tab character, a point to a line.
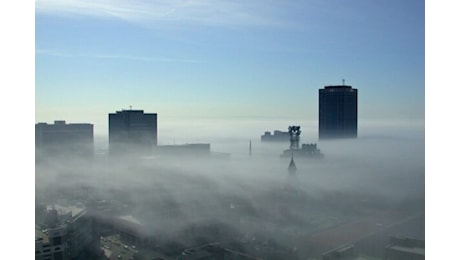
249	195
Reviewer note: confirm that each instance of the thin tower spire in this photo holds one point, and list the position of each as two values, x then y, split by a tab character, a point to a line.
292	168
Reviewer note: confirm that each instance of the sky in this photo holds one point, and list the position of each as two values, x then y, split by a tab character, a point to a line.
238	60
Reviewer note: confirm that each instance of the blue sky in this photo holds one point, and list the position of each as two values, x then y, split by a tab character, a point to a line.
227	59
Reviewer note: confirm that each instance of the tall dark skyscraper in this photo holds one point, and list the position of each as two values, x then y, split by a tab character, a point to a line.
132	131
338	112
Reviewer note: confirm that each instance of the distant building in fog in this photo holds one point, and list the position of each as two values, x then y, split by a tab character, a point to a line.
132	131
338	112
62	138
278	136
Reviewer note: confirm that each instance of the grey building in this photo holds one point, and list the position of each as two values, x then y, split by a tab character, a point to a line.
65	232
338	112
277	136
132	131
61	138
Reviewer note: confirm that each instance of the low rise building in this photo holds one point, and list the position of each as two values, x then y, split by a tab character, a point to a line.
66	233
50	244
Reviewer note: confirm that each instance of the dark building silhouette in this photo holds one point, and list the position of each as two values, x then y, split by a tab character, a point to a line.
132	131
307	150
278	136
338	112
64	139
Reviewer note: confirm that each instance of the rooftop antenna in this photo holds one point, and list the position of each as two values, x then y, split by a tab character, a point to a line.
343	82
130	107
250	147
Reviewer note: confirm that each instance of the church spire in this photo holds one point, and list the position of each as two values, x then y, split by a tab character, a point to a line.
292	168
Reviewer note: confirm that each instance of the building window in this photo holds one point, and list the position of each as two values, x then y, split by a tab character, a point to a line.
58	256
57	240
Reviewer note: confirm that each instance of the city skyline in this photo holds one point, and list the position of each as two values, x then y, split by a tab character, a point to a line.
20	46
228	60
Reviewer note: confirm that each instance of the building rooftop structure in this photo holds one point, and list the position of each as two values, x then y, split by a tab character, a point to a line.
69	211
41	235
306	151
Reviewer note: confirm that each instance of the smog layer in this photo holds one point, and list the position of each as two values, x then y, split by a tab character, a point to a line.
245	198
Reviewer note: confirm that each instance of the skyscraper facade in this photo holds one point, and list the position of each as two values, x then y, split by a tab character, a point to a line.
338	112
132	131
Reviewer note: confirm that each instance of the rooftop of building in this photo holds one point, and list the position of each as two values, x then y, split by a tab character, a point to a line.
131	111
277	132
337	86
131	219
40	235
74	210
333	88
62	123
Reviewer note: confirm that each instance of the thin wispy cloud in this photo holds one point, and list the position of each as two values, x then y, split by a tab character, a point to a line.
195	12
56	53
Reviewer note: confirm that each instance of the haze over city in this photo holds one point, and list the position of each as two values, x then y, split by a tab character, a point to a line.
222	73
